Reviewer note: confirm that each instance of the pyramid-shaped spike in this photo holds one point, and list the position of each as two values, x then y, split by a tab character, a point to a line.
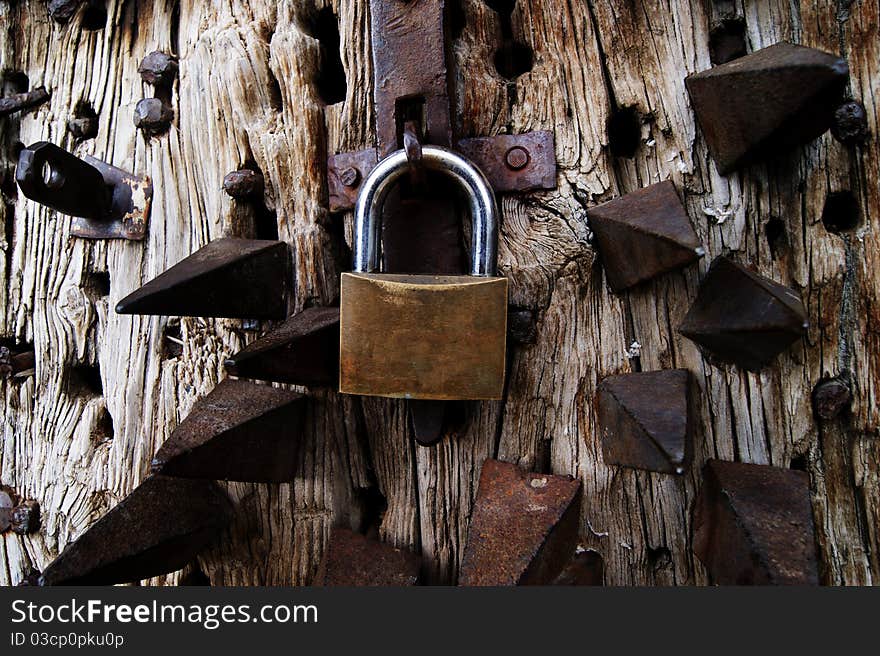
350	559
304	350
241	431
523	528
753	525
774	99
743	318
646	420
230	277
158	528
642	235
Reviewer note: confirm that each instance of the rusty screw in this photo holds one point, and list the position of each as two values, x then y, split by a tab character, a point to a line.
243	184
850	123
350	176
831	398
517	158
153	116
158	69
23	101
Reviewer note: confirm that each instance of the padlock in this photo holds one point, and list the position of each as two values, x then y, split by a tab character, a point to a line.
423	336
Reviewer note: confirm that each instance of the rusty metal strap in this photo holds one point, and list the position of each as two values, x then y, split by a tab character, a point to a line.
516	163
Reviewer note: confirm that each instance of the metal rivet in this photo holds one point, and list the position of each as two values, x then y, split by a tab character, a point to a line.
243	184
516	158
831	398
350	176
22	101
153	116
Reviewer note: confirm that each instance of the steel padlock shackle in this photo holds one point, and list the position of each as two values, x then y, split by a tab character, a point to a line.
374	191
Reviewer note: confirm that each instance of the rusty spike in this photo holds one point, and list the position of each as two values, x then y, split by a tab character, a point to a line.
304	350
646	420
743	318
774	99
241	431
523	528
230	277
643	234
753	525
158	528
350	559
22	101
586	567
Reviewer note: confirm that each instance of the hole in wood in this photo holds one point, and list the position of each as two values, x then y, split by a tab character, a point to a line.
275	97
172	341
84	380
777	239
84	123
624	132
94	16
97	285
330	81
457	18
15	82
373	505
841	212
103	430
799	463
513	59
727	41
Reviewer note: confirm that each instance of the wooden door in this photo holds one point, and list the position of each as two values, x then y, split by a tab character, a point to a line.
278	86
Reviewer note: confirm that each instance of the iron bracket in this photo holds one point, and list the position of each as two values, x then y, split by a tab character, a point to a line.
105	202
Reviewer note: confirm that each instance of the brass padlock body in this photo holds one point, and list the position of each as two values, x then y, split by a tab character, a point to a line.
422	336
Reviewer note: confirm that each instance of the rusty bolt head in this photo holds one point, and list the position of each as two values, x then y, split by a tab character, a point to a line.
350	176
521	326
850	123
81	128
831	398
158	69
26	517
61	11
153	116
243	184
516	158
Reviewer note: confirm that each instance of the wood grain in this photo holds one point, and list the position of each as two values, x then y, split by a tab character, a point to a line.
246	95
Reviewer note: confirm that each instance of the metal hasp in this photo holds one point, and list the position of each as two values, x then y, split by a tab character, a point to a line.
523	528
742	318
104	201
413	98
23	101
229	278
753	525
643	235
240	431
304	350
647	420
772	100
427	337
350	560
160	527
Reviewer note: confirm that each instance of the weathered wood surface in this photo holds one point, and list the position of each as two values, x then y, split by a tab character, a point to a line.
247	94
